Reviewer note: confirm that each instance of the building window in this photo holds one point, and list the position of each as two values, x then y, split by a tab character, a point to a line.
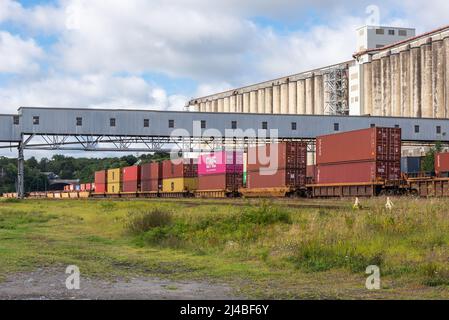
416	129
265	125
234	125
294	126
378	46
171	123
112	122
438	129
396	126
380	31
403	33
35	120
79	121
203	124
146	123
16	120
373	125
336	127
391	32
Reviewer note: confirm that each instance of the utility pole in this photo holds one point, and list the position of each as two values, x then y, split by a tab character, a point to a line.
20	172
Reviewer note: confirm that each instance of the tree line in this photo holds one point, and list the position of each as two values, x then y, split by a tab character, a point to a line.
82	169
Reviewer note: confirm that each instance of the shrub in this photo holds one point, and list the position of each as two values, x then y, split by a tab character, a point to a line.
141	222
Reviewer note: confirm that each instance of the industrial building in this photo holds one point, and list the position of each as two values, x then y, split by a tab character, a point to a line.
393	73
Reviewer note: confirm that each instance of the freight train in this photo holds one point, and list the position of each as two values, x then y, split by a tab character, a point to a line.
362	163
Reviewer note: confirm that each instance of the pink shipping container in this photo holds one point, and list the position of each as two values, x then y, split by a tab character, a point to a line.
442	164
358	172
383	144
220	171
220	163
82	187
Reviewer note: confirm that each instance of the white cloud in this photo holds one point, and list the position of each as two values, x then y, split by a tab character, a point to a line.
89	91
18	55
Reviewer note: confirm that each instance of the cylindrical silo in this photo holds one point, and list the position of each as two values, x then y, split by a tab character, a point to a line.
395	86
214	105
227	105
268	100
284	98
404	65
426	81
377	87
319	95
261	101
386	86
240	103
202	107
310	95
415	82
292	97
253	102
301	97
276	99
195	107
446	67
438	62
246	102
367	89
221	105
233	103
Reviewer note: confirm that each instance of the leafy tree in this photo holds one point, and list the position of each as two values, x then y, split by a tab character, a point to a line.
429	160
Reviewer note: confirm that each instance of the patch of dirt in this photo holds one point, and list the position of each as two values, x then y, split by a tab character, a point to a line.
50	284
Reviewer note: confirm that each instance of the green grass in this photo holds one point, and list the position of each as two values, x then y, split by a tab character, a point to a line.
266	249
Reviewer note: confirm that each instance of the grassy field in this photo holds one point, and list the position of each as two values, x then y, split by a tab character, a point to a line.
282	249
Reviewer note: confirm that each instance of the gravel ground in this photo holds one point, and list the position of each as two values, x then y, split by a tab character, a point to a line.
49	284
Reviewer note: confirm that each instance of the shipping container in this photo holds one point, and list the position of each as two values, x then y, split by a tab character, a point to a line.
151	177
131	179
411	164
442	164
358	172
114	175
382	144
286	167
311	174
113	187
101	179
178	185
182	168
220	171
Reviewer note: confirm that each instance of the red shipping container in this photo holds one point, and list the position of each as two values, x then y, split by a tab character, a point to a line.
182	168
358	172
383	144
442	164
311	174
151	177
131	179
101	178
288	168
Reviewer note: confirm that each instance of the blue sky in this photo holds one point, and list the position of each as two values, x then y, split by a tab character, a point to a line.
158	54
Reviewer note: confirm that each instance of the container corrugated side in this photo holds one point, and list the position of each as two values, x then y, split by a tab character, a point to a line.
442	164
358	172
177	185
131	179
371	144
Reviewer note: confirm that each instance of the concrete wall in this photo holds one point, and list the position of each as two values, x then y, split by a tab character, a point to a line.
410	79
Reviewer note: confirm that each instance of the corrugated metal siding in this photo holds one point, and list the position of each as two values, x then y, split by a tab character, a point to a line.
130	123
8	131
